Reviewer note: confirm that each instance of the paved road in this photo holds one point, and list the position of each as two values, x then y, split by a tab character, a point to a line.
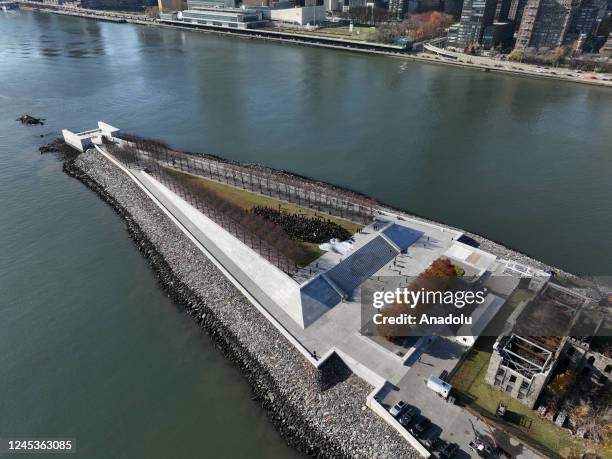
451	57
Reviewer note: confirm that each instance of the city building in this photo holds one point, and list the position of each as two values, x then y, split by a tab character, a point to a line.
516	11
346	5
453	7
299	15
606	49
544	23
453	31
398	8
236	18
295	15
502	10
332	5
421	6
116	4
585	20
498	33
255	4
476	16
168	6
207	4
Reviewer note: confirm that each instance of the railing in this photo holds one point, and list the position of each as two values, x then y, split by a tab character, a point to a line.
275	184
257	233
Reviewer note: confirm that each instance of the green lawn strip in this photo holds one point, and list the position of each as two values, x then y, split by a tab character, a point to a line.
311	253
482	398
247	200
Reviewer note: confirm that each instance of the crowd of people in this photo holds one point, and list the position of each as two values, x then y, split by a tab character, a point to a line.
301	227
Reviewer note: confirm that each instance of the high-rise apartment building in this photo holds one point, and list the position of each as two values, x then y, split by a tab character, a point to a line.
476	16
453	7
502	10
553	23
585	20
398	8
516	11
544	23
606	49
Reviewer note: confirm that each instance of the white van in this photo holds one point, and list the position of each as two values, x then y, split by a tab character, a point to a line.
442	388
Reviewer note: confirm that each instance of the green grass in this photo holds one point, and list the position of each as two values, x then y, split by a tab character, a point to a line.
247	200
482	398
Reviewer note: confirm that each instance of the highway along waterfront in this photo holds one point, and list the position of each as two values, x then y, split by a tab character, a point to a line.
102	354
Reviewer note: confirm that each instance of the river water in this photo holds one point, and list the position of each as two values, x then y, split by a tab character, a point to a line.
91	348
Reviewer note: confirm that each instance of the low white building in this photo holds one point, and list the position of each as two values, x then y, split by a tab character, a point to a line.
86	139
299	15
475	261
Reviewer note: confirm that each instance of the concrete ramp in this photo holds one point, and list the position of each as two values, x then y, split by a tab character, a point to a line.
318	296
402	236
364	263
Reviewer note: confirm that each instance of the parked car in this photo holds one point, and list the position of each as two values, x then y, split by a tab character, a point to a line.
398	408
429	438
408	415
437	446
449	451
420	425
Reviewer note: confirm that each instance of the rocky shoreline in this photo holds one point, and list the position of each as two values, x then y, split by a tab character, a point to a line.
320	412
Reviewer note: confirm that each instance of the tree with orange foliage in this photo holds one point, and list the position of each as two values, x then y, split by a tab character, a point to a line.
427	25
440	275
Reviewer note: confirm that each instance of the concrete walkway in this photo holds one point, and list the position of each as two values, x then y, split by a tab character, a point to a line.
338	328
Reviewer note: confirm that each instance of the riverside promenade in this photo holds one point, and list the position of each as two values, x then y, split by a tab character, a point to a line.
432	56
440	55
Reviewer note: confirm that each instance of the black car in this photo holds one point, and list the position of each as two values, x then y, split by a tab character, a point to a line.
408	415
449	451
430	437
439	445
420	425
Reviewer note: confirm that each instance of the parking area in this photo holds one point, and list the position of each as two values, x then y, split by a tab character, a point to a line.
455	424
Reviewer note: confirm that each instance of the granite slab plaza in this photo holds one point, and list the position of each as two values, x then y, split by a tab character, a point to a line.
337	328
